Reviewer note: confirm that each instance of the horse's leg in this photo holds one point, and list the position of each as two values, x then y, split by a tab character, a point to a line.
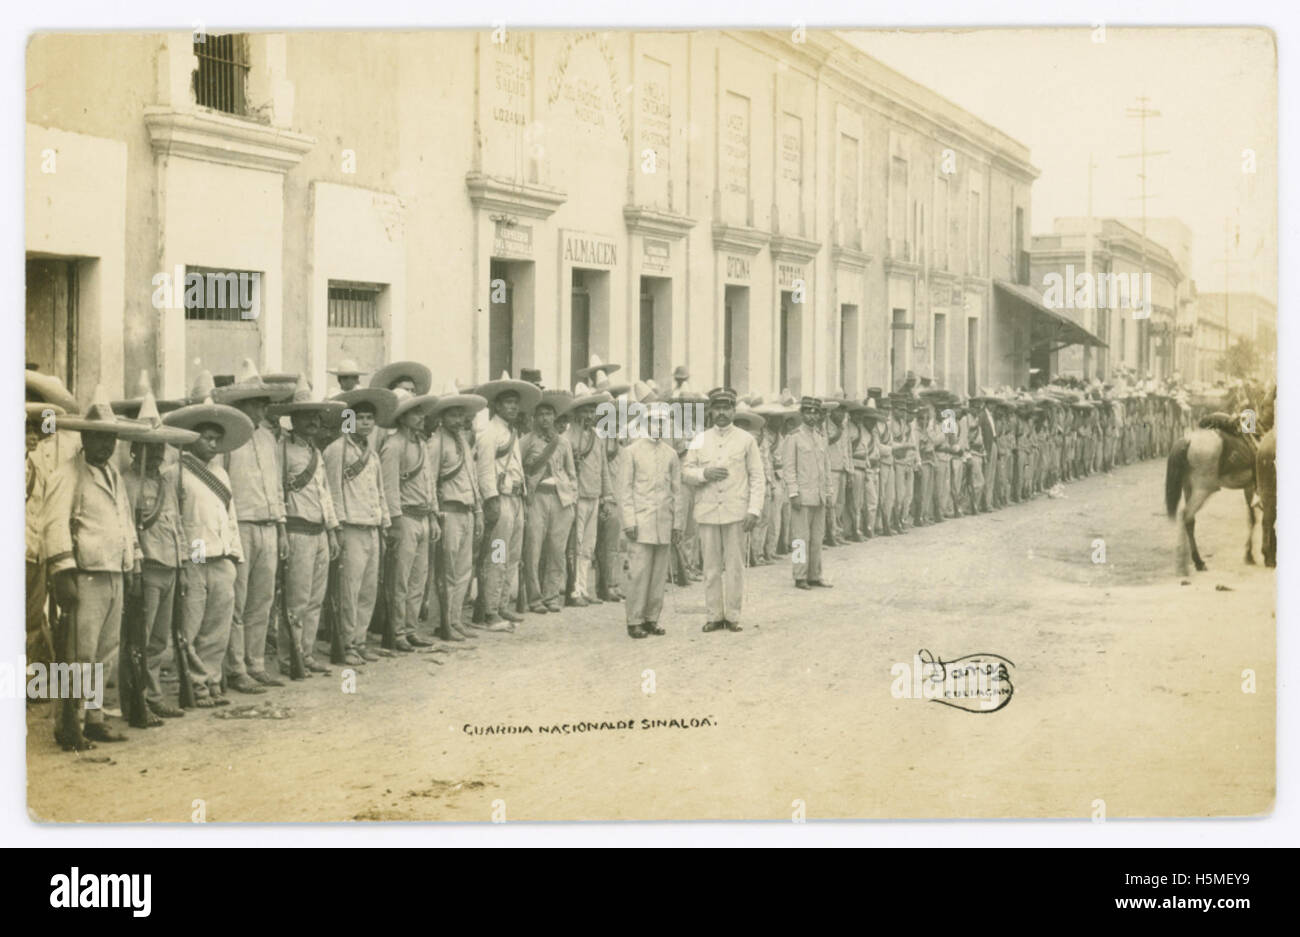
1249	492
1195	499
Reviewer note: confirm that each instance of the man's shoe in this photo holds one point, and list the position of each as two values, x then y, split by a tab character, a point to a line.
577	601
801	584
416	641
245	684
314	667
634	631
500	626
537	608
552	606
354	660
100	732
264	678
594	600
733	626
713	626
365	654
446	634
818	582
401	645
164	709
510	614
457	629
652	627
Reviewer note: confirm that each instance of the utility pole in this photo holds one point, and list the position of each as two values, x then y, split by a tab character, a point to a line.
1227	261
1142	113
1098	306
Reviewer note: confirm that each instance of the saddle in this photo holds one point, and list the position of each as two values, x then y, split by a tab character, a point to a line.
1238	453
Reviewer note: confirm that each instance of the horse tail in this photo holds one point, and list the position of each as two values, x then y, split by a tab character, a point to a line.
1175	470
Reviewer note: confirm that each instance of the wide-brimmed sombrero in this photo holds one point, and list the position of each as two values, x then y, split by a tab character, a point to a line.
46	388
37	411
614	390
153	430
528	393
303	402
407	401
391	373
558	399
586	375
453	396
99	418
383	400
748	419
584	396
249	385
238	429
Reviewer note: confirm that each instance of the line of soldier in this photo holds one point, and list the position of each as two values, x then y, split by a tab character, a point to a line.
218	520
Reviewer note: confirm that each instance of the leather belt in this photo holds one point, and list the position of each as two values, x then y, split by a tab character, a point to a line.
298	525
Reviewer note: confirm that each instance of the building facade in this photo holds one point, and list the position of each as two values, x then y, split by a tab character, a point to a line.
1227	318
770	209
1110	299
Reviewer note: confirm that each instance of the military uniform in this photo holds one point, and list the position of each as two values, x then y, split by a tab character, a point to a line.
809	488
550	508
356	483
650	490
500	470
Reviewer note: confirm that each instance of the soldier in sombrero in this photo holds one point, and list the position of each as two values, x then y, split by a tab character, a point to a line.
310	519
500	469
595	489
451	459
210	520
356	482
549	502
410	376
92	557
254	470
347	373
42	420
151	486
412	492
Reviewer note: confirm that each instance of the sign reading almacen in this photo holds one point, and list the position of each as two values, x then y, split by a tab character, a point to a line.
588	250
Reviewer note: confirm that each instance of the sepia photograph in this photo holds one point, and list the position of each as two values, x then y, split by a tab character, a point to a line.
776	423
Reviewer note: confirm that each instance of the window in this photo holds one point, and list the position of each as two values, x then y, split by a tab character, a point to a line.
941	223
219	82
213	295
975	227
354	305
898	219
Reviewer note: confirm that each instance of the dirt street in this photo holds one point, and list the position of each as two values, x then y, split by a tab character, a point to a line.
1128	689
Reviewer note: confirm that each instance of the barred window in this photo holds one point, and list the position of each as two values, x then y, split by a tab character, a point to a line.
219	82
210	294
354	305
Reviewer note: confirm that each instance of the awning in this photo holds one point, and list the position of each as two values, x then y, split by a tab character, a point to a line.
1049	327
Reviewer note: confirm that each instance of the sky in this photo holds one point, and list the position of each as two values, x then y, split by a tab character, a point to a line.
1064	95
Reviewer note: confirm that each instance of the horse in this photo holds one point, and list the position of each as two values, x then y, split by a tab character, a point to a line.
1196	469
1266	480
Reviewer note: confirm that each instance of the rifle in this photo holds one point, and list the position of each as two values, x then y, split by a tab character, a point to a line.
297	669
132	671
439	571
388	625
180	646
69	733
333	610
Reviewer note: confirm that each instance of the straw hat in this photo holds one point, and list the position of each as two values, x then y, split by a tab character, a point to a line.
303	402
584	396
453	396
383	400
154	430
346	368
391	373
748	418
238	428
46	388
587	374
100	418
558	399
529	394
407	401
614	390
36	411
248	385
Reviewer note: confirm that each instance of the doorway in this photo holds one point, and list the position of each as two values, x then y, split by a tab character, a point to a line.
52	291
735	338
791	343
972	356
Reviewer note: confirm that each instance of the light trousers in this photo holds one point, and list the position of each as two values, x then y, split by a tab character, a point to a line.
808	524
358	584
209	606
499	572
647	579
254	594
722	548
546	535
